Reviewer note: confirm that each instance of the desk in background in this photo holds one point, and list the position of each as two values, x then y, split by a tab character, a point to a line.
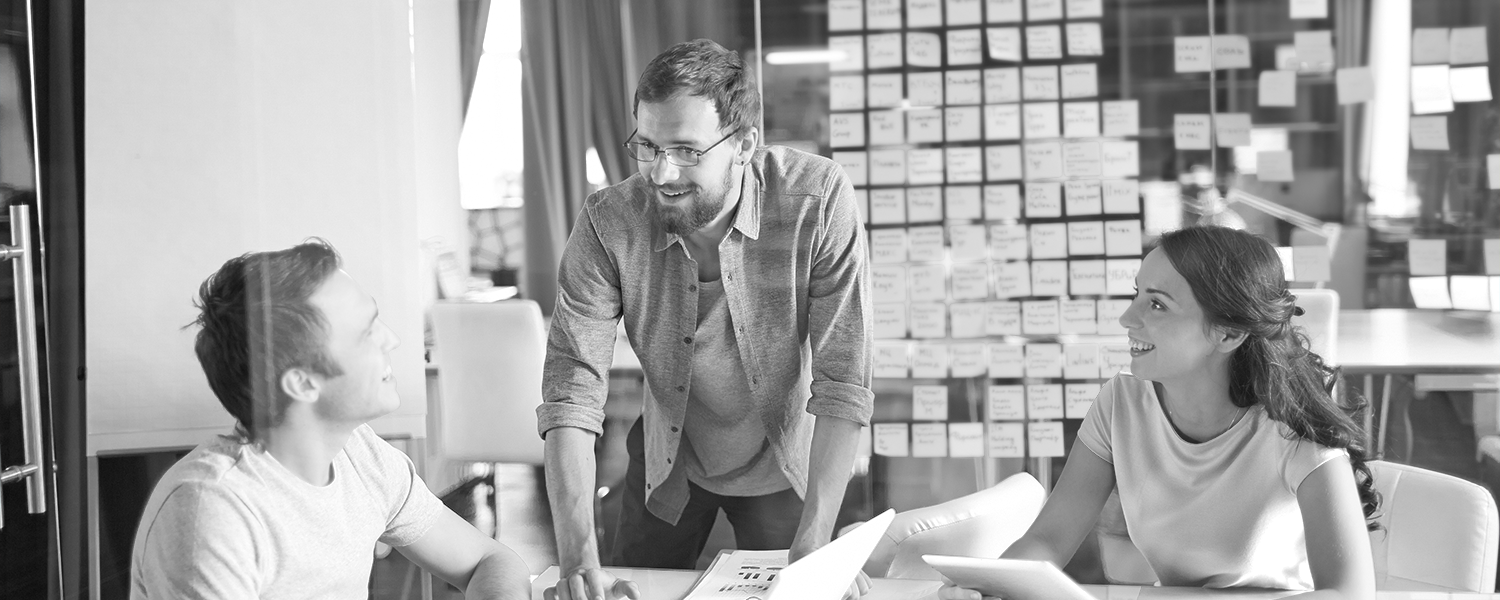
664	584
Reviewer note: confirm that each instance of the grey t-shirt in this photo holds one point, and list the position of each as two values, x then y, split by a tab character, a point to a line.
229	521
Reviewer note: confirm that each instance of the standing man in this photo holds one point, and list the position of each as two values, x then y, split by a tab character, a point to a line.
741	273
292	505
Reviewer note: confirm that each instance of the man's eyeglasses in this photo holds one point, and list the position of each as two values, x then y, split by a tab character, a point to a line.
678	156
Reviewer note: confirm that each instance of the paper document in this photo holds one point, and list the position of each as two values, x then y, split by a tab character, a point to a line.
739	575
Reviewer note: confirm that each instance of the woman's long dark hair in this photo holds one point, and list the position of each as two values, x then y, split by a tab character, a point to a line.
1238	280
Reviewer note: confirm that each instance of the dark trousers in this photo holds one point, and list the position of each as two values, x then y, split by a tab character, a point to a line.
644	541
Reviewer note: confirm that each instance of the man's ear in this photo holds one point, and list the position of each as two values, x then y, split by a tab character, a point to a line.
301	385
745	149
1229	340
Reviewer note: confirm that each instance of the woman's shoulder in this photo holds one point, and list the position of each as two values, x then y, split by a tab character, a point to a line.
1125	387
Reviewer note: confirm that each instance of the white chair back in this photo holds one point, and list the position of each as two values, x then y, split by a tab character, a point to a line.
489	359
981	525
1320	317
1439	532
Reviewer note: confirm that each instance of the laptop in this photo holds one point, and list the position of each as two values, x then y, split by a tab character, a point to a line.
828	571
1009	578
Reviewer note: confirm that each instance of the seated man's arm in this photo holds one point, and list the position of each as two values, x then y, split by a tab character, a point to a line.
458	554
199	544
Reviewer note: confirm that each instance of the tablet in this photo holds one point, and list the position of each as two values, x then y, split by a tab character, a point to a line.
1008	578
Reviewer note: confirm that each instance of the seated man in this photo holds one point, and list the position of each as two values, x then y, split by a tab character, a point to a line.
292	505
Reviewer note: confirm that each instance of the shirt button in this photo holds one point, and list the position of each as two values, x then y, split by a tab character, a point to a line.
648	486
669	461
692	288
729	276
674	429
687	340
681	388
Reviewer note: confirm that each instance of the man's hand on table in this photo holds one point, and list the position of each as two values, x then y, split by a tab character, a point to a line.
859	587
592	583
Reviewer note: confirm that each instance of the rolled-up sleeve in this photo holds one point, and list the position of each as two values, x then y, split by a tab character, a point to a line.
840	323
580	346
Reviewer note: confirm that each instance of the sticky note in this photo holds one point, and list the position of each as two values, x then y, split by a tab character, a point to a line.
1001	318
1191	132
887	167
924	89
965	47
922	49
846	15
883	14
1002	122
1312	264
846	130
1003	201
890	360
1468	45
1429	133
887	206
1043	360
1080	81
967	319
1470	292
1085	9
963	87
1121	196
1045	400
1119	159
1044	10
928	283
1044	439
1121	118
967	242
928	320
1119	274
1003	43
1191	54
929	403
929	361
1232	129
924	166
929	440
1039	120
1002	11
1278	88
1044	42
1113	358
1427	257
1354	85
971	281
1085	238
1470	84
924	13
1043	160
1039	317
966	440
1006	440
1082	198
1231	52
1430	293
1122	238
849	50
1002	85
1085	39
1049	240
1079	397
1043	199
1012	280
846	92
1040	83
1492	256
925	243
891	439
1002	163
1081	361
964	12
885	90
890	320
1274	165
1109	317
1431	90
855	165
963	202
962	124
887	127
1077	315
883	51
1309	9
1080	119
1314	50
1429	46
1086	278
1006	402
888	283
1081	159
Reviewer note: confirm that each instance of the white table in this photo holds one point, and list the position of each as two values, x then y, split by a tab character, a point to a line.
666	584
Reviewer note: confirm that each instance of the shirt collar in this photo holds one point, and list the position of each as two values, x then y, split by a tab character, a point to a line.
747	214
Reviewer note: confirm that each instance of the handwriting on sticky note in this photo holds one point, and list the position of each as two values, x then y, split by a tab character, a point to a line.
1082	197
924	13
963	87
846	15
928	283
1002	85
1081	159
962	124
1002	122
1040	120
971	281
1078	315
883	50
1278	88
1232	129
1192	54
1429	46
1085	39
1006	440
1002	163
1121	196
1427	257
1120	159
1122	238
1043	360
1039	317
1429	133
888	206
1079	397
1044	42
890	320
1121	118
1044	10
1004	43
1467	46
923	49
891	360
1085	238
1039	83
1191	132
966	439
1354	84
1005	363
891	439
1044	439
1431	90
924	166
929	440
967	242
846	92
929	403
883	14
964	12
965	47
855	165
1043	160
1231	52
1002	201
1080	81
884	90
1045	400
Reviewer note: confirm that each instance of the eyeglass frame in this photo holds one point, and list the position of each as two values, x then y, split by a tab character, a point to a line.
660	151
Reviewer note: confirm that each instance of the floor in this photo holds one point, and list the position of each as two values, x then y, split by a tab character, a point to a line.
1442	437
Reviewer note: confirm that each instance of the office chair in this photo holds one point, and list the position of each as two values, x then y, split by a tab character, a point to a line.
1439	532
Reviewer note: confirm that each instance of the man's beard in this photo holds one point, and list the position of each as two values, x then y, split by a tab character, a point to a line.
704	208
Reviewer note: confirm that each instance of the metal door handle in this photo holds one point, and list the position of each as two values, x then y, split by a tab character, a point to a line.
26	350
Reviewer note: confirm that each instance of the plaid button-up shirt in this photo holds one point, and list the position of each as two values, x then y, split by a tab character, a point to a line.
795	273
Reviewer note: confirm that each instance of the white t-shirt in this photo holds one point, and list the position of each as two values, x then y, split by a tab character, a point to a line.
1222	513
228	521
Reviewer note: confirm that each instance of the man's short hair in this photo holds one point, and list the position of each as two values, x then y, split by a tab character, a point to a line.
705	69
256	323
